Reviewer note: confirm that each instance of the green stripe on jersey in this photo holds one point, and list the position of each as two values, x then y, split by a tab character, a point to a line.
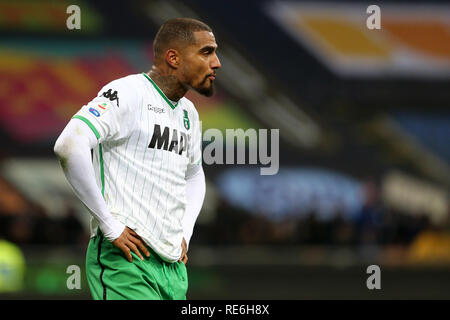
88	123
102	170
100	151
173	106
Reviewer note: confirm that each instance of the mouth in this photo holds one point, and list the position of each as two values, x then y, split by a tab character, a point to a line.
212	76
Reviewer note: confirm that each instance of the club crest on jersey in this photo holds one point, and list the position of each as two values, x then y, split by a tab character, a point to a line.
186	123
98	108
170	140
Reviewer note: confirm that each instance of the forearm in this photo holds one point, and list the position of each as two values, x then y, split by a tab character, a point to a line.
195	194
73	148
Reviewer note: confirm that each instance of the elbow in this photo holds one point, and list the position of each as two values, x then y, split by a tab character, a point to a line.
62	150
59	148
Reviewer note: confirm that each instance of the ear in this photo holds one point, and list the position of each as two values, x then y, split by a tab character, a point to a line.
173	58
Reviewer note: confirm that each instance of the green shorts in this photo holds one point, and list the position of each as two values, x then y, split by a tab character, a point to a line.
112	277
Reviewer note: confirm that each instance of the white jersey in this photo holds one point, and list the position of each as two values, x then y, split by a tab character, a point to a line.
146	143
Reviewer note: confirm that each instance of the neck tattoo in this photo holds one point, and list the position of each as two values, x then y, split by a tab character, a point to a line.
169	84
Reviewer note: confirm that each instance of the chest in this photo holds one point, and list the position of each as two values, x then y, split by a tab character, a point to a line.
163	128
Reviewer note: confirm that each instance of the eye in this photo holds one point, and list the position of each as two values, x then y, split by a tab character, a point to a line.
207	51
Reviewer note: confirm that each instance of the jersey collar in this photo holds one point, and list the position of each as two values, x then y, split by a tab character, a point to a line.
173	106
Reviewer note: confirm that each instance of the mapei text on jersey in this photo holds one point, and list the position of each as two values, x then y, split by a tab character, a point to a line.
178	140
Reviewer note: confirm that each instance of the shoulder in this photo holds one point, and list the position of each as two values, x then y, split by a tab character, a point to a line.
126	83
122	91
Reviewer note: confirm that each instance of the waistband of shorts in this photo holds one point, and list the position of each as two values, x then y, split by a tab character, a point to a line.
150	249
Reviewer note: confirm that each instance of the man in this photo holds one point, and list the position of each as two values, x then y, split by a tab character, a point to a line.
144	184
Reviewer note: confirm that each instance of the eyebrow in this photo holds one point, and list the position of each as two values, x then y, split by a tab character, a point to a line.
207	48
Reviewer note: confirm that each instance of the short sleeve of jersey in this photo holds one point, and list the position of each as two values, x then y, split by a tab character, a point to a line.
108	114
195	157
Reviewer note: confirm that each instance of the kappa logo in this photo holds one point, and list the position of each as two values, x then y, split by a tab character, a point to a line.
111	95
155	109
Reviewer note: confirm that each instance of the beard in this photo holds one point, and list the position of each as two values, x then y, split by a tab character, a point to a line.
205	90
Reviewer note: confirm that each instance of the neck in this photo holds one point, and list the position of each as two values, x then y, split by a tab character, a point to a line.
168	83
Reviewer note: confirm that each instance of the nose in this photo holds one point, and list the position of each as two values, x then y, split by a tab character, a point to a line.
215	63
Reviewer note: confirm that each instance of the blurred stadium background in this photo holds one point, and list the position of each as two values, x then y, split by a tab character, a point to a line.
364	125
